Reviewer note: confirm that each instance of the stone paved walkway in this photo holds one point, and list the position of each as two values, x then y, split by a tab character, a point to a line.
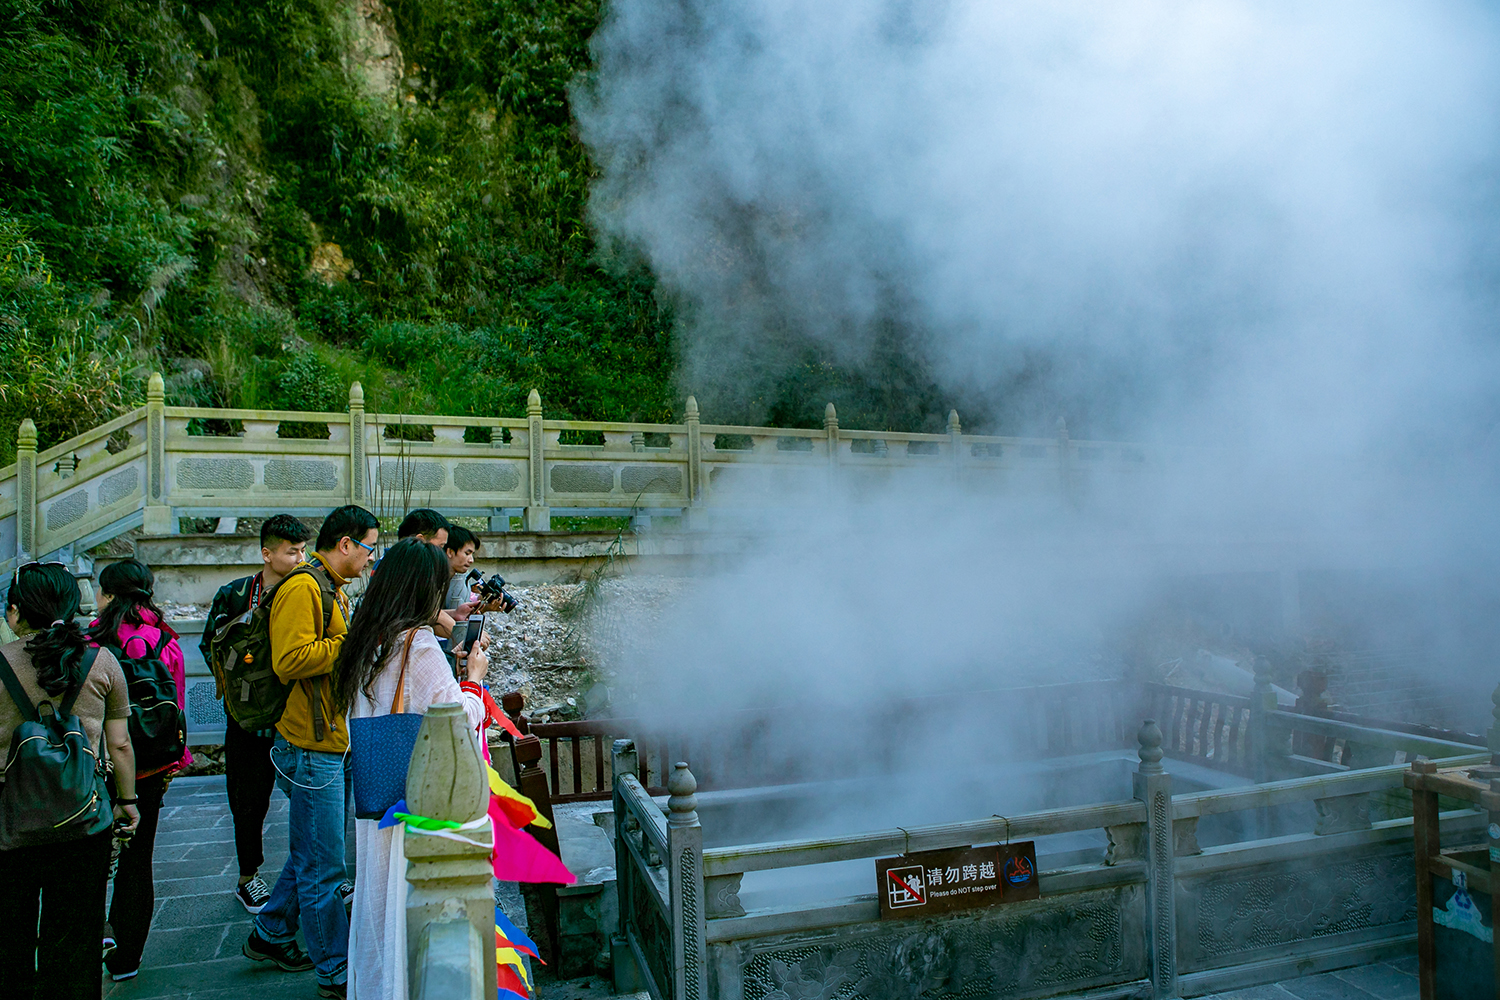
1392	980
194	948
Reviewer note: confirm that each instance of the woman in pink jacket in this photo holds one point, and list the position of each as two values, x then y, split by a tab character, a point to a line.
131	626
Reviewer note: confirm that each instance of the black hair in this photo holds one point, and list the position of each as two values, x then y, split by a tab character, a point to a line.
422	521
129	584
459	536
283	527
349	521
46	597
406	593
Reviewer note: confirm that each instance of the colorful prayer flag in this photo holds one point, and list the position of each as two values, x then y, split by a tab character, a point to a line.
519	809
514	935
507	979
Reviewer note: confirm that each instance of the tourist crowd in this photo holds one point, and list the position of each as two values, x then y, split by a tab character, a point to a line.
92	723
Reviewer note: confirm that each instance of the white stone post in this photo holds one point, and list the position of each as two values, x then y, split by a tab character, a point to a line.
26	491
1153	786
694	450
956	444
357	469
685	845
450	908
831	429
157	518
1064	460
538	515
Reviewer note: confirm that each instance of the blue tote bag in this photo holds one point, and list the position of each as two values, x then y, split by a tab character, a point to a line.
380	751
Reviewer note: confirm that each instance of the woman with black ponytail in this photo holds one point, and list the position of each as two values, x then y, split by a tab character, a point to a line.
132	627
52	894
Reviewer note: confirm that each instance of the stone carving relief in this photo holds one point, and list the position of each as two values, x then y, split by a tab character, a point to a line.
118	486
993	953
424	476
65	510
1282	907
215	474
650	479
298	474
582	479
486	477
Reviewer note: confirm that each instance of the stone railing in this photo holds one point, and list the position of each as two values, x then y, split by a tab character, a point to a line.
157	463
1156	914
450	905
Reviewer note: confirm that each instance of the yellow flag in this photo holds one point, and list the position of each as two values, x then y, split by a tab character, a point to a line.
520	810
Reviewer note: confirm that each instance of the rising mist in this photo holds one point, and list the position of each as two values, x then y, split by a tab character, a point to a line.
1263	230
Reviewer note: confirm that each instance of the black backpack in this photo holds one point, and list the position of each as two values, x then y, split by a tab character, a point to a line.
54	788
254	697
158	730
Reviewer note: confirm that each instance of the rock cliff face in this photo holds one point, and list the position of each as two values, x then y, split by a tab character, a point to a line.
373	60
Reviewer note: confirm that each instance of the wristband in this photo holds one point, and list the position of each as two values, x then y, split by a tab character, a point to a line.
126	802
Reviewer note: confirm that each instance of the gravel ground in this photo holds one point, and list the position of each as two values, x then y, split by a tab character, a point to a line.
555	647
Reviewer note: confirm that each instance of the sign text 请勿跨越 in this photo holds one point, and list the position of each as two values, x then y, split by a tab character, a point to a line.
958	878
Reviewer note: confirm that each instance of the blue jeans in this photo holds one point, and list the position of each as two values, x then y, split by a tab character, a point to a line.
307	892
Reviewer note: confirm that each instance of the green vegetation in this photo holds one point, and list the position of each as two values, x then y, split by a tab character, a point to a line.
262	199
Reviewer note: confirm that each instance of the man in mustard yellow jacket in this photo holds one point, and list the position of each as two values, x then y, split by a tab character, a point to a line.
309	619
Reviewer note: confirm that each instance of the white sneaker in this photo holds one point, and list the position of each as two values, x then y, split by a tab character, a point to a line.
253	895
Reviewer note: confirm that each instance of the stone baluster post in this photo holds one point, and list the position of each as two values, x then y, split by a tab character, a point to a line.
685	879
956	445
1064	460
1492	737
66	466
695	451
831	429
1266	745
358	490
450	908
157	518
26	491
538	515
1153	786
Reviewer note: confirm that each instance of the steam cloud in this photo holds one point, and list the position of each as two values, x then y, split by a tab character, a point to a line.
1268	227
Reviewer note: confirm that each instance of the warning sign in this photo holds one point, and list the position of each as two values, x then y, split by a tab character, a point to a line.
959	878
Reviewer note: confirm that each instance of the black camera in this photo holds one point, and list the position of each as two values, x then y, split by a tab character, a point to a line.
492	593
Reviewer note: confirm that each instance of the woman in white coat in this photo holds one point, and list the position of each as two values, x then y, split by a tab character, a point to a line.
391	660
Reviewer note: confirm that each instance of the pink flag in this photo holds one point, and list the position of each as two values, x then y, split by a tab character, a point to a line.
519	858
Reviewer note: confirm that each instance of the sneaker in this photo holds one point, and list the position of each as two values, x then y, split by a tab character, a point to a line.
346	892
333	991
287	957
253	895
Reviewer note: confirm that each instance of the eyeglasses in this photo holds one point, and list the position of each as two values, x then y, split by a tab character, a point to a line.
368	548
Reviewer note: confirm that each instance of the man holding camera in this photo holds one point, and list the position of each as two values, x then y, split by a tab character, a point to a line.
461	547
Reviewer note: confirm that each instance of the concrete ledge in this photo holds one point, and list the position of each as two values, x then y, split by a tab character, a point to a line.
189	568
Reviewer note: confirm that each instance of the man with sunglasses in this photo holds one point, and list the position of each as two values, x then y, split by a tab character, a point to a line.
309	755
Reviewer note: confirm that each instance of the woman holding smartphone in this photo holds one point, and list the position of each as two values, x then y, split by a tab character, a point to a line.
391	649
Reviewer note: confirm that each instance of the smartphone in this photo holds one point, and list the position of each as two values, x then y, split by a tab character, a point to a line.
476	629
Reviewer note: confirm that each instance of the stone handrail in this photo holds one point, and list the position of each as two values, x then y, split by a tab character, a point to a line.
1152	864
148	467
